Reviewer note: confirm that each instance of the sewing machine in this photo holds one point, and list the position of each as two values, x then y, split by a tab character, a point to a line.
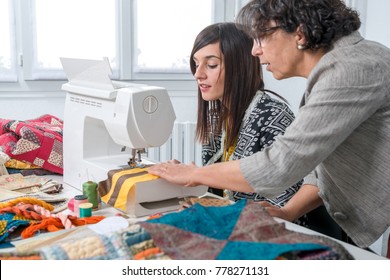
108	125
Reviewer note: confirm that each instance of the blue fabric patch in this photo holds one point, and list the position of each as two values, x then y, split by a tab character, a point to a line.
241	250
137	237
215	222
9	223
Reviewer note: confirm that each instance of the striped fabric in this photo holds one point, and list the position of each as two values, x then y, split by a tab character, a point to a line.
115	189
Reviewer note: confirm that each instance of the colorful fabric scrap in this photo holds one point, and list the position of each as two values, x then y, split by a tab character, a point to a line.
9	222
99	247
37	216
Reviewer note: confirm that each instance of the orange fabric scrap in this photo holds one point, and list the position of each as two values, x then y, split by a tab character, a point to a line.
54	224
148	252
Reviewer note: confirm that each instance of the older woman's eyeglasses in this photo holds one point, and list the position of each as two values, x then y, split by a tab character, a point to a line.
264	33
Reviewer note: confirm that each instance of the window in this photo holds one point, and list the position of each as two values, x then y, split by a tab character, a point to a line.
164	36
143	39
7	50
71	28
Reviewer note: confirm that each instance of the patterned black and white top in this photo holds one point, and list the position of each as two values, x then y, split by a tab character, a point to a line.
264	120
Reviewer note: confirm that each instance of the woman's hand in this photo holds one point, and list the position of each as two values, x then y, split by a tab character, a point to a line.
276	211
176	172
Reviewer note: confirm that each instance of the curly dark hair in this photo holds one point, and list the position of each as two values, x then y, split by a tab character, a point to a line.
322	21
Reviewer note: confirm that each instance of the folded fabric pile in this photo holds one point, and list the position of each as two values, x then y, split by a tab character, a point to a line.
36	142
30	184
242	231
16	185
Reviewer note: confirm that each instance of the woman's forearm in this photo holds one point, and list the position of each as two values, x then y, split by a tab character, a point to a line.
305	200
226	175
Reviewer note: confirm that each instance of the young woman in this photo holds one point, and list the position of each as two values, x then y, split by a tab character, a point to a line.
236	117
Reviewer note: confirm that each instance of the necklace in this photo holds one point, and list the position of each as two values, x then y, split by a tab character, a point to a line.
228	151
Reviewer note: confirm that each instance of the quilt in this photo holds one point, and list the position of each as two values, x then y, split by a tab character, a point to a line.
242	231
36	141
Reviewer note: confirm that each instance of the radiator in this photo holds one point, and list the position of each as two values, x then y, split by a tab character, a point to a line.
181	145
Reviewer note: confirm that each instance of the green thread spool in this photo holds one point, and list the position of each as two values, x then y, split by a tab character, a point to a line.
85	209
90	190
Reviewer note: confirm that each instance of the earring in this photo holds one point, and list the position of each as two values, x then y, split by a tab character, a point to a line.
300	47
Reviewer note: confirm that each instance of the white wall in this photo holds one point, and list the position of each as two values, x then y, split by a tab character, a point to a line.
31	101
25	106
378	21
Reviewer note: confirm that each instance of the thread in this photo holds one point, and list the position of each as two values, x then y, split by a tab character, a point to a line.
90	191
79	199
85	210
71	204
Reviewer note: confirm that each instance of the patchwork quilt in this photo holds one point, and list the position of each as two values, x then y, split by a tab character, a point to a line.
242	231
37	141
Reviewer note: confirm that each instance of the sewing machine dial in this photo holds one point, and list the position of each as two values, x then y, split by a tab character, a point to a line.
150	104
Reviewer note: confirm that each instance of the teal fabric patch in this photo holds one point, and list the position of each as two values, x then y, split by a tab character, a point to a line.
8	223
214	222
241	250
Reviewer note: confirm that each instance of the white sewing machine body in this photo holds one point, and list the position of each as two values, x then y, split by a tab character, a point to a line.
103	125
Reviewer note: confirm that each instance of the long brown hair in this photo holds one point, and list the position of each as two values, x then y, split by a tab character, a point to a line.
243	78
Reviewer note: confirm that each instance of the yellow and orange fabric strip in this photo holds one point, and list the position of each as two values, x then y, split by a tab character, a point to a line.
119	184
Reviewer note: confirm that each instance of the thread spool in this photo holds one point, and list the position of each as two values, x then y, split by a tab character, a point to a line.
90	191
71	204
85	209
79	199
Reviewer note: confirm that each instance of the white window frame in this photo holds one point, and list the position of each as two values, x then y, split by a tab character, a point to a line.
10	75
224	10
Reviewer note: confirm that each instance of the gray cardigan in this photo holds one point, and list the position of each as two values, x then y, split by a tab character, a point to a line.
342	130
